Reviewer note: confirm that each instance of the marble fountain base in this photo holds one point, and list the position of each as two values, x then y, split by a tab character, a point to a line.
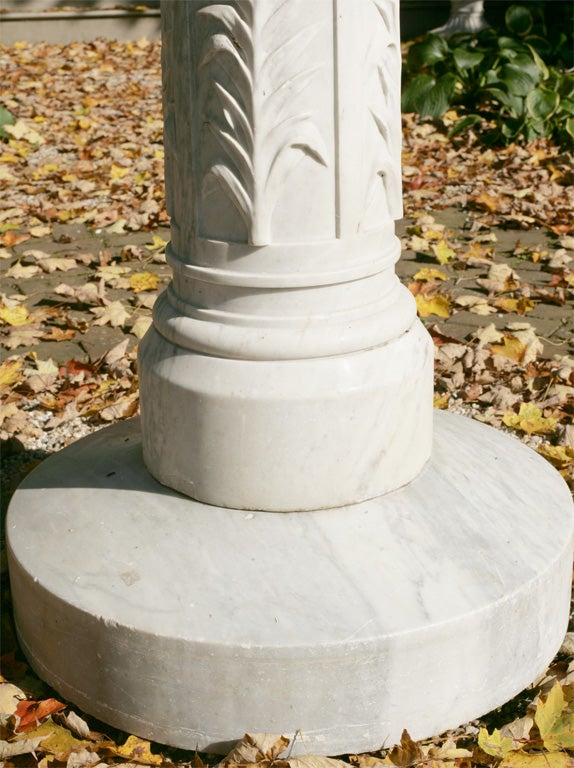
190	624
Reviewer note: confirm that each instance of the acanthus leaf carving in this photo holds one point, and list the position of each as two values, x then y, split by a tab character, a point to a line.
250	72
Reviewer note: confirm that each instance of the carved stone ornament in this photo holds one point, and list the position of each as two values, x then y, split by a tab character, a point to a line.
283	150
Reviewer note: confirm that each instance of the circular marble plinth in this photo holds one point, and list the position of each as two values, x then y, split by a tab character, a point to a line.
190	624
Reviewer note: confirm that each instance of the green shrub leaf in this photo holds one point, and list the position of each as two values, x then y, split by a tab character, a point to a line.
464	124
542	103
517	81
466	59
428	52
6	118
518	20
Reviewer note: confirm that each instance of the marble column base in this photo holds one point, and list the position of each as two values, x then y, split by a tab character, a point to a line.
190	624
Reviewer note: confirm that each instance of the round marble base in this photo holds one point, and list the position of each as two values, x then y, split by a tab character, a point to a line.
190	624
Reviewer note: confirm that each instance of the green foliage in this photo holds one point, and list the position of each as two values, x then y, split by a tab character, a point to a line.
6	118
510	82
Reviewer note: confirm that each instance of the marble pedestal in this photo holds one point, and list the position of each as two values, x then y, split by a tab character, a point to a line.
190	624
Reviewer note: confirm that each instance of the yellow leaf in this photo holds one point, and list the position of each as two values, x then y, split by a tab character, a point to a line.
521	305
118	172
555	724
494	743
138	751
158	244
21	132
487	201
441	401
433	305
143	281
430	273
529	419
14	315
443	252
512	348
559	456
537	760
56	740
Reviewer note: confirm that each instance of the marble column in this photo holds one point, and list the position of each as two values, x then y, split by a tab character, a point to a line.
285	351
398	587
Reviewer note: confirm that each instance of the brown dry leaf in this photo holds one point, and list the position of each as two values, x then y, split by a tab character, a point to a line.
50	265
526	334
7	412
407	754
140	327
314	761
478	305
23	336
10	695
19	272
501	278
10	238
90	293
256	748
122	408
114	314
491	203
19	747
511	347
521	306
487	335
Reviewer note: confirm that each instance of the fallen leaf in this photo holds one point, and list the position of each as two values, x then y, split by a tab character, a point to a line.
143	281
407	754
554	720
501	278
536	760
494	743
443	252
430	273
157	244
256	747
529	419
521	306
19	747
10	695
511	347
478	305
114	314
140	327
22	132
138	751
433	305
18	271
11	238
18	315
23	336
560	456
30	713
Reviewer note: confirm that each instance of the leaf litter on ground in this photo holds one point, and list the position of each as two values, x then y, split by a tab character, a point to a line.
86	148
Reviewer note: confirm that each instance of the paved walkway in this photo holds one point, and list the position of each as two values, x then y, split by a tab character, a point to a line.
552	322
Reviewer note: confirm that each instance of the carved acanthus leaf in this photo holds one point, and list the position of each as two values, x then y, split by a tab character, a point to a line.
256	63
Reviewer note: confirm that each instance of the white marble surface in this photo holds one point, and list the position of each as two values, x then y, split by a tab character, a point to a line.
273	434
285	346
191	624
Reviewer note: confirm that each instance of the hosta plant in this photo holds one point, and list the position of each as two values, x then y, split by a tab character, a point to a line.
512	80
